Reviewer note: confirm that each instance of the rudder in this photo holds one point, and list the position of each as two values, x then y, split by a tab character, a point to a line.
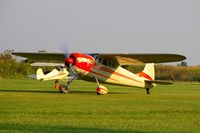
39	74
148	72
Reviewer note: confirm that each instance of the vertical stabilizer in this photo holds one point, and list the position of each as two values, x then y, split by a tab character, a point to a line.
39	74
148	72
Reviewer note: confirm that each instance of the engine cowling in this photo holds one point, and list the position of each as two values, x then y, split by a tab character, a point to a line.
82	61
102	90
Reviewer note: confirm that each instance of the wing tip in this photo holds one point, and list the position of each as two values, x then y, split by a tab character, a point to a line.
180	57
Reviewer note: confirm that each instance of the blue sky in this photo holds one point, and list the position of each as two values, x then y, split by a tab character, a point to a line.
136	26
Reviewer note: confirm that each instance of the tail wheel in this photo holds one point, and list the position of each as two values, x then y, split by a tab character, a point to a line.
148	91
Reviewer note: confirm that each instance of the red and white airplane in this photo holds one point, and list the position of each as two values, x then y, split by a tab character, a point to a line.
104	68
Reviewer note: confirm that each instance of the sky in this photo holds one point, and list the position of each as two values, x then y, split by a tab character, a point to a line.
96	26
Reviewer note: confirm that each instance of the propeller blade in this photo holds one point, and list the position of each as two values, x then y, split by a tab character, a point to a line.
64	47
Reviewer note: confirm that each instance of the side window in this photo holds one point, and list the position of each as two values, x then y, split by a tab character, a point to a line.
100	60
108	63
111	64
105	62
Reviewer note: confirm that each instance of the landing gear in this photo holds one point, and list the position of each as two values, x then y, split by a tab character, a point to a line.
101	90
62	88
148	91
72	76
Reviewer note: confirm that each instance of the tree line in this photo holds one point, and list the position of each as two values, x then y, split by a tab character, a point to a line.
170	72
11	68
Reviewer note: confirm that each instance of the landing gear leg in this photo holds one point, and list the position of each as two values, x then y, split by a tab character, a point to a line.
98	85
101	90
148	91
73	76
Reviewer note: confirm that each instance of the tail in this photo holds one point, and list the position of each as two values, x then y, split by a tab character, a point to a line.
149	77
39	74
148	72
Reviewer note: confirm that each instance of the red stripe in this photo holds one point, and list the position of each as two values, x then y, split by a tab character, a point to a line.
104	89
98	74
142	74
102	75
113	72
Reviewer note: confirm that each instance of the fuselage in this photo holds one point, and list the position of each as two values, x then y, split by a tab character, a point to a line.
89	69
119	76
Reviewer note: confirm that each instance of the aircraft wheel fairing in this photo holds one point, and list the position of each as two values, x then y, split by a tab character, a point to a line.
102	90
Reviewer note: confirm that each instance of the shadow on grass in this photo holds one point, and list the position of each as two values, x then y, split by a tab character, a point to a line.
44	91
94	92
59	129
31	91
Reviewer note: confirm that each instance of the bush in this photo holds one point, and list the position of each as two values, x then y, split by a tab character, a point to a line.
10	68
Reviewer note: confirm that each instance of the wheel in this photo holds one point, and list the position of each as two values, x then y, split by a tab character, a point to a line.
63	89
148	91
66	90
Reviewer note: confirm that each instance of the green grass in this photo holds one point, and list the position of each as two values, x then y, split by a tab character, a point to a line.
33	106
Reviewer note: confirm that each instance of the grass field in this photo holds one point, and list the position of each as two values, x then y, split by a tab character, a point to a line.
32	106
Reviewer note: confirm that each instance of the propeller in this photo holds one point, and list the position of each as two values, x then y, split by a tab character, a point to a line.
64	47
69	61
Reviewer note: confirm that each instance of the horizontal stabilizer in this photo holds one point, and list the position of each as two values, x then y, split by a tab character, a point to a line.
158	82
39	64
33	76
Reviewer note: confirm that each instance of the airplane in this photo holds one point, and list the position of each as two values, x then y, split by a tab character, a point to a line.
100	68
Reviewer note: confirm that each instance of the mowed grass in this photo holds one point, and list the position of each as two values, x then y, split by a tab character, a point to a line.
33	106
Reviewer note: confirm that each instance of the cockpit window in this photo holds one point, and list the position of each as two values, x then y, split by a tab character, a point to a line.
108	63
105	62
95	56
100	60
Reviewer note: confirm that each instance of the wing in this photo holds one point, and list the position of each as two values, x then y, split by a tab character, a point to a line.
119	59
58	57
131	59
39	64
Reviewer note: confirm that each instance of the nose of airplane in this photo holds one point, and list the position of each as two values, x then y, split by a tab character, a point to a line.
69	61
